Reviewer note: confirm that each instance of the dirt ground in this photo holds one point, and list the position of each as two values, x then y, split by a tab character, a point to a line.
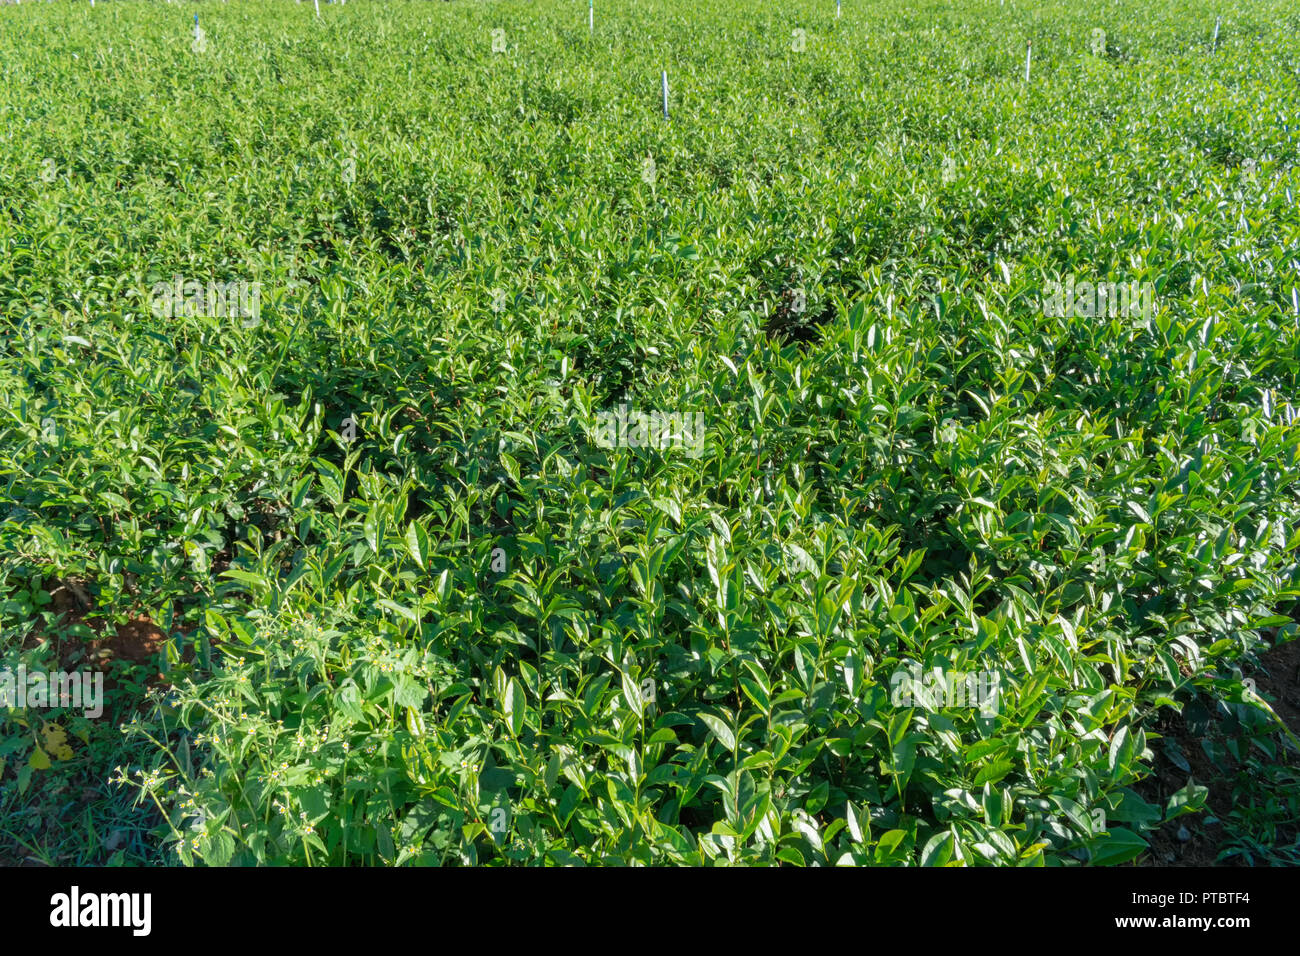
1189	841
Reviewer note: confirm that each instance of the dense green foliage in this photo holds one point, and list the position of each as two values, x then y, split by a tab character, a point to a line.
466	255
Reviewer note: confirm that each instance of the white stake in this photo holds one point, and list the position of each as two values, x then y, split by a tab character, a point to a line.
1217	21
837	9
1029	52
591	15
665	94
317	2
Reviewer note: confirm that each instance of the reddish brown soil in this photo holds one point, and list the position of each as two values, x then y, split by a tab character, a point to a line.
93	641
137	640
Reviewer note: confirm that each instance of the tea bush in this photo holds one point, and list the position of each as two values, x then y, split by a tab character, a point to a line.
416	612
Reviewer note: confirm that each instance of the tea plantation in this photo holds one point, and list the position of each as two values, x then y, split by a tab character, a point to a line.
709	433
